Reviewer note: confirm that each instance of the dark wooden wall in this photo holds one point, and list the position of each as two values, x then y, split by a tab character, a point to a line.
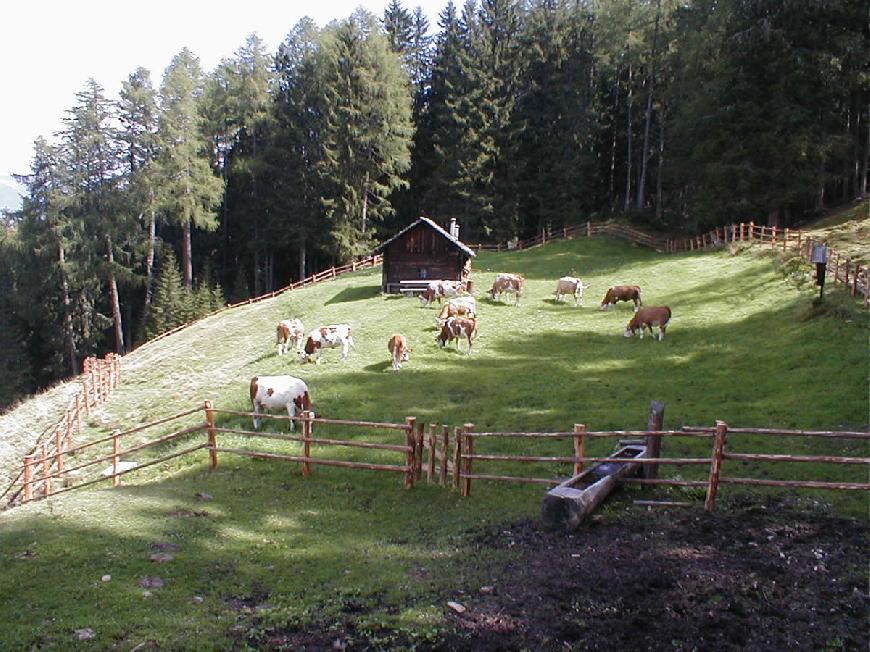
421	253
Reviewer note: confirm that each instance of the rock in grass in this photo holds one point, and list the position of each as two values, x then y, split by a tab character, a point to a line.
458	608
161	557
150	582
85	634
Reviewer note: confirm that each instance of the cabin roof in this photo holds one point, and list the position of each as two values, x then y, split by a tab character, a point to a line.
425	220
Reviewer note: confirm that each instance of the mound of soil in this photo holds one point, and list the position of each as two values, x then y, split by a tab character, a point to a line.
753	576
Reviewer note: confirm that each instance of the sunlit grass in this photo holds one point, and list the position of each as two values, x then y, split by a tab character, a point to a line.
274	549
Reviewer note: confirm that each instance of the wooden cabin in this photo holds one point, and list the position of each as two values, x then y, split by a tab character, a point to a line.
421	252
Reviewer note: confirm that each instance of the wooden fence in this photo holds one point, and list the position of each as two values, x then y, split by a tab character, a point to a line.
465	457
73	467
70	465
99	378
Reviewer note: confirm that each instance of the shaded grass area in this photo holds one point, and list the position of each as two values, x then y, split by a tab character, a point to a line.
273	550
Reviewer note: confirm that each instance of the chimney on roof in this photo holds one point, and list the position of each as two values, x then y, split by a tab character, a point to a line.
454	228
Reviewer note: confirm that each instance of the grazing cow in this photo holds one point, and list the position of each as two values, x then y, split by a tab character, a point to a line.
455	328
327	337
622	293
275	392
455	307
573	286
439	289
507	283
290	330
399	350
647	318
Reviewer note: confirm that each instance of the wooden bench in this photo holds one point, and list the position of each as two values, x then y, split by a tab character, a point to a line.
410	287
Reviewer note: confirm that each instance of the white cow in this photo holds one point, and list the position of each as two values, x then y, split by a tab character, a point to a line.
289	331
506	283
464	306
571	285
276	392
327	337
439	289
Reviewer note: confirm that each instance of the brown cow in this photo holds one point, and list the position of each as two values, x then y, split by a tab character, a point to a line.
455	328
507	283
647	318
622	293
456	307
399	350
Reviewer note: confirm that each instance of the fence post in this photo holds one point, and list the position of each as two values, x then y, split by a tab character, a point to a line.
588	229
579	447
46	470
751	231
419	445
855	280
466	459
411	458
457	455
773	236
654	442
430	463
116	454
58	450
87	397
306	442
445	454
28	478
212	438
716	465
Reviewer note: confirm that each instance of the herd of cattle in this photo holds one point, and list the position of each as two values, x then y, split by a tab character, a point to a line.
457	320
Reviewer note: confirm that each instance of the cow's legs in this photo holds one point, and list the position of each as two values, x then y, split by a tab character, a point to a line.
257	419
291	412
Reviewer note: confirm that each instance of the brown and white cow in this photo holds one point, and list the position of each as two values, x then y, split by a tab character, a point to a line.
622	293
573	286
456	307
276	392
289	331
506	283
327	337
647	318
456	328
399	350
438	289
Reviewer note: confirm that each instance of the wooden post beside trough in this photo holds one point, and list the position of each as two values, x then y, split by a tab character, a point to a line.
212	440
716	465
411	458
654	442
116	456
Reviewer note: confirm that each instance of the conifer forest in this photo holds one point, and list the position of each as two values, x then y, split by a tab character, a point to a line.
184	189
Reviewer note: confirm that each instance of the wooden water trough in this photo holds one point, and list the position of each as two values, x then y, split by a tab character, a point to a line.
566	505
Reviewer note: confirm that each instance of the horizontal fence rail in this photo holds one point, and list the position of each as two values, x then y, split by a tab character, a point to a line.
416	449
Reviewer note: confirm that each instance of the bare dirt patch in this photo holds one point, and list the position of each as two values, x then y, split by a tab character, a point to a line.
755	576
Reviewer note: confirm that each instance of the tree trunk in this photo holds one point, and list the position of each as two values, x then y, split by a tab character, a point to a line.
186	257
149	269
365	205
861	190
661	163
641	185
67	318
627	202
301	258
613	143
113	299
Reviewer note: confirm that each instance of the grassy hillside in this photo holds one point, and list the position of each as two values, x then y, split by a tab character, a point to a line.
274	550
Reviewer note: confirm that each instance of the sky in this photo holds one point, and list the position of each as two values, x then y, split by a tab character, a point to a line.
50	48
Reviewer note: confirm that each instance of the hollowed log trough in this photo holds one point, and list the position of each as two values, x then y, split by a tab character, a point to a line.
566	505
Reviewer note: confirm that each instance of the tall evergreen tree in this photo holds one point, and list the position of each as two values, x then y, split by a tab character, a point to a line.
365	131
189	191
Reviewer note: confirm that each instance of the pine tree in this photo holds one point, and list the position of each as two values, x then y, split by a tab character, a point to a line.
189	191
172	302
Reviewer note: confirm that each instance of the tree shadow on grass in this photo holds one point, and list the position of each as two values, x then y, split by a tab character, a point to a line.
355	294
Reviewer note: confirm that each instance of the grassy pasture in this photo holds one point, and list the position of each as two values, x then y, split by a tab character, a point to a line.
276	550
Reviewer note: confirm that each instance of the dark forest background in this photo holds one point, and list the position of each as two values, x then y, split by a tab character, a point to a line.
165	201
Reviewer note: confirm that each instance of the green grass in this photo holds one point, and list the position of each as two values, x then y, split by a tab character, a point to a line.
275	550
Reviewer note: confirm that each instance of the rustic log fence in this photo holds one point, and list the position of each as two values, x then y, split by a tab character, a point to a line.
99	378
44	468
465	457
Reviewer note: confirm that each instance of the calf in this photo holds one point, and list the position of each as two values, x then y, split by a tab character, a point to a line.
276	392
622	293
399	350
455	328
507	283
455	307
290	330
327	337
573	286
647	318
